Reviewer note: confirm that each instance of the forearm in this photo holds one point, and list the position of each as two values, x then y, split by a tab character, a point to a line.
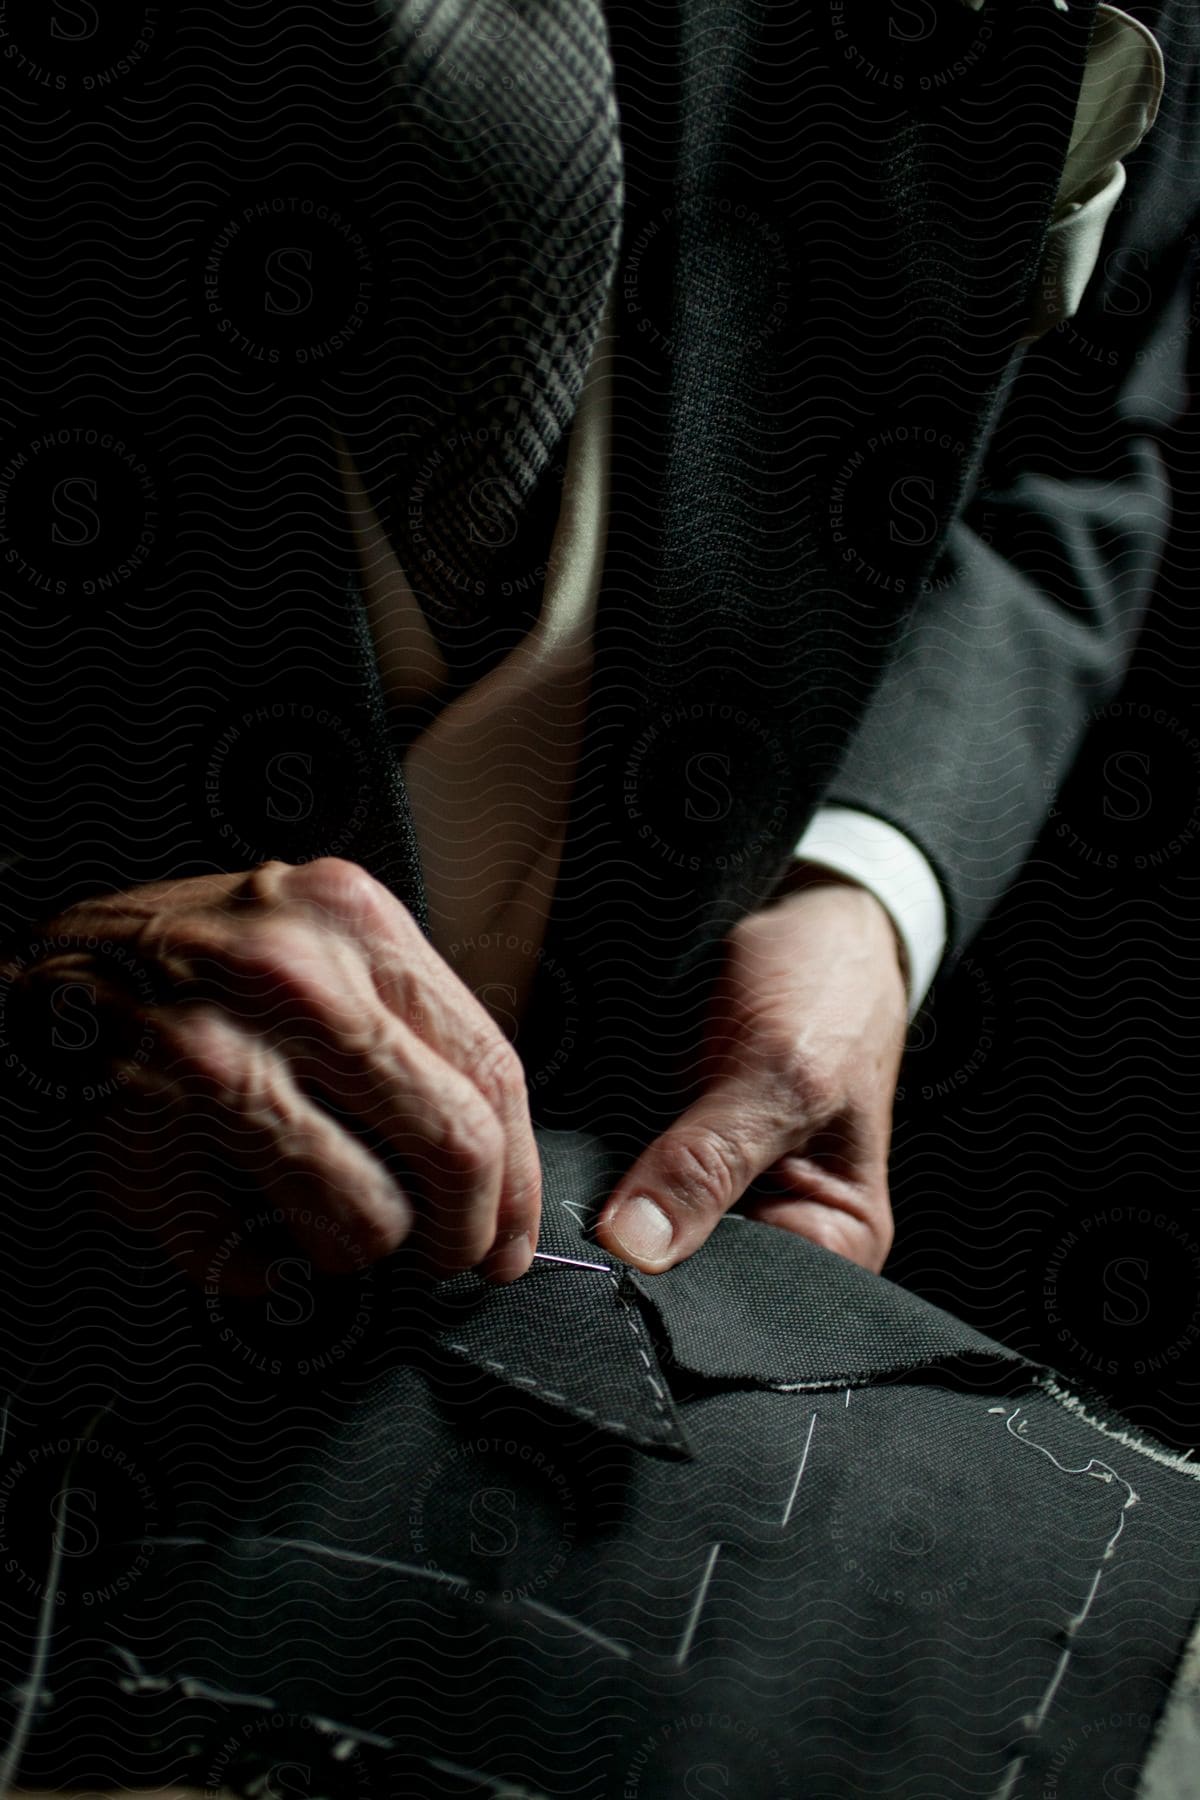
999	675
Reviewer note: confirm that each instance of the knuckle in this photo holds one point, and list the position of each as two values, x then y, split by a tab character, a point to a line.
184	942
498	1073
885	1223
815	1097
800	1074
705	1165
831	1231
521	1203
263	883
370	1038
205	1053
408	995
785	1051
475	1142
339	887
282	951
375	1236
269	972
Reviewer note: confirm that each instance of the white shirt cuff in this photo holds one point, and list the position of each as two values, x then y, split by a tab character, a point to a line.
889	865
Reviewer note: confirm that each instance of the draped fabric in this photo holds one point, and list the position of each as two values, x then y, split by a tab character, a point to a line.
763	1526
779	1529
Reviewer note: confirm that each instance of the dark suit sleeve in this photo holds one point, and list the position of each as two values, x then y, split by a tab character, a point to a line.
1032	612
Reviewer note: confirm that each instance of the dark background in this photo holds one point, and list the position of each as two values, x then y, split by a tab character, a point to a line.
1046	1137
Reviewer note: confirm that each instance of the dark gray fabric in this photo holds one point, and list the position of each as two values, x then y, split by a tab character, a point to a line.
725	584
765	638
1045	579
440	1574
807	235
308	1509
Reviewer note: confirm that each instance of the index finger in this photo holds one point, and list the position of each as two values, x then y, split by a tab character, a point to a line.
420	988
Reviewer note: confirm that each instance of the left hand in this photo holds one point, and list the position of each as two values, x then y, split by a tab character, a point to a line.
801	1054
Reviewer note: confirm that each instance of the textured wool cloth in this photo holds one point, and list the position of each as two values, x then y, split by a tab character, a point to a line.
766	1525
610	1535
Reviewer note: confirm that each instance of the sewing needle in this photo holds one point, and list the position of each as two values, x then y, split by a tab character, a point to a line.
571	1262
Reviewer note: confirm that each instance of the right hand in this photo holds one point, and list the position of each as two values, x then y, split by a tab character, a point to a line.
307	1037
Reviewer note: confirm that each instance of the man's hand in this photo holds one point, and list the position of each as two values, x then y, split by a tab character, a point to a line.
801	1054
307	1041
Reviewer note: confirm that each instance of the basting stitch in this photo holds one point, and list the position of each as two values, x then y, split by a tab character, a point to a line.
689	1630
1099	1471
572	1262
495	1785
589	1631
634	1326
787	1511
33	1688
337	1553
620	1427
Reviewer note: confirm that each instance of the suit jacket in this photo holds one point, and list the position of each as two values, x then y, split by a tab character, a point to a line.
765	1525
656	1625
861	550
767	555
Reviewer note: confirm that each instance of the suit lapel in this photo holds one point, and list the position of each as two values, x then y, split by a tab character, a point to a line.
755	1305
569	1332
760	1306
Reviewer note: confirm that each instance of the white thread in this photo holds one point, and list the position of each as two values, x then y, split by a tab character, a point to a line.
787	1511
689	1630
1099	1471
30	1691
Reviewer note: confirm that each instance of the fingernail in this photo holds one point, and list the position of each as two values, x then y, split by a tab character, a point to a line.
509	1257
642	1229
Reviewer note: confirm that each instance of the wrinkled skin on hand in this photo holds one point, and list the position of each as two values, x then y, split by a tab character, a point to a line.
800	1060
308	1042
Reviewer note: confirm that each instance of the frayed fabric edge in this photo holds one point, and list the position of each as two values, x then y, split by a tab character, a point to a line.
1158	1453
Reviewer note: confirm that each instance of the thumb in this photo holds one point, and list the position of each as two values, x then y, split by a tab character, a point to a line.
669	1202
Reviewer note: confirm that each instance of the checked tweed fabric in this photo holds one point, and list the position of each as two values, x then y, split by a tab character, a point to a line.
513	162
